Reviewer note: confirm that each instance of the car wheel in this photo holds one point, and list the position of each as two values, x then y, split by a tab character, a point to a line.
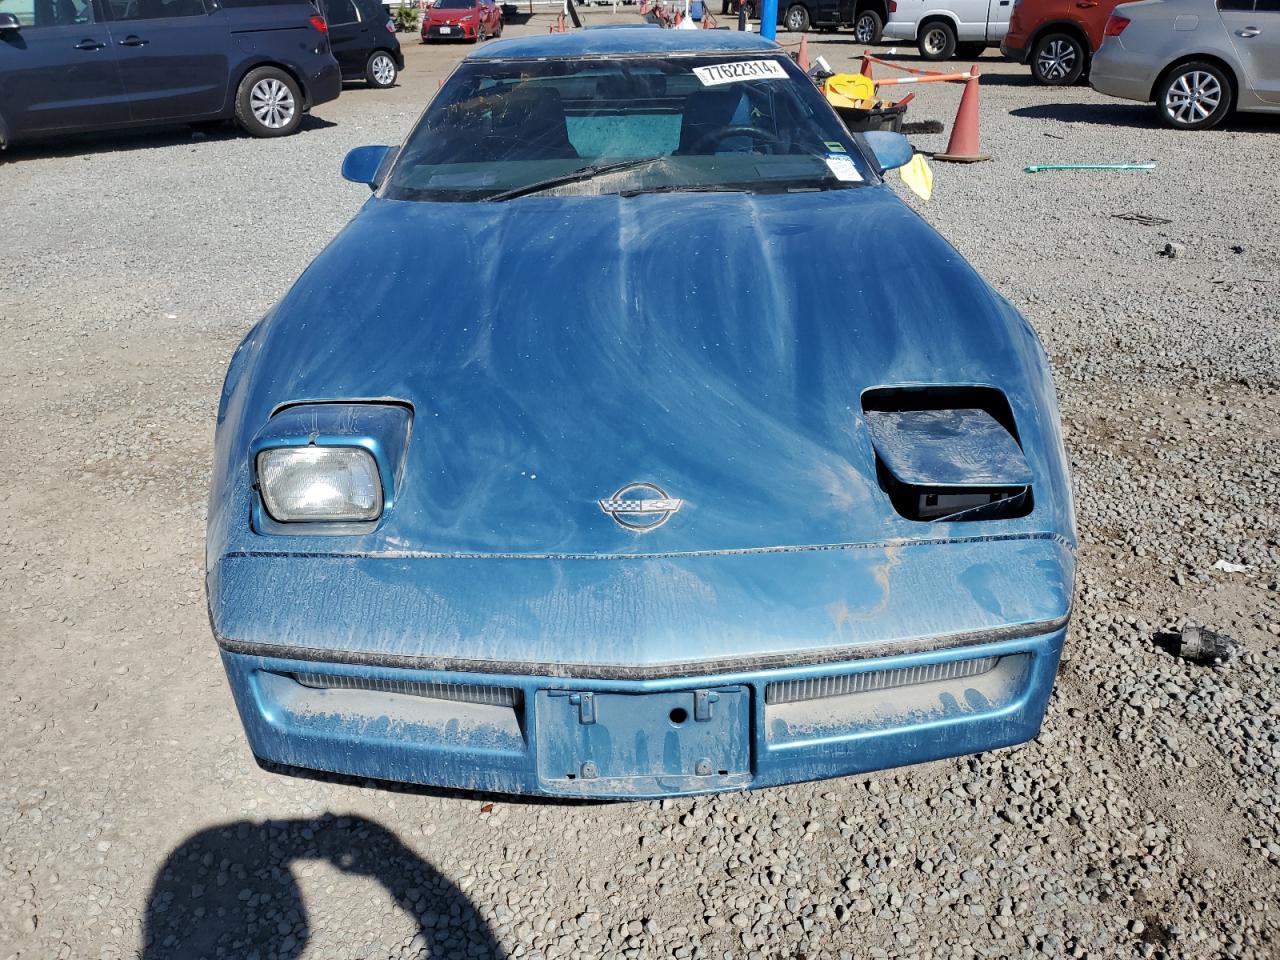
867	27
1057	60
381	70
970	51
937	41
498	33
797	19
1194	96
268	103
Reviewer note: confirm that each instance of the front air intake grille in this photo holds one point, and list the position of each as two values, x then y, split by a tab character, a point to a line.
818	688
458	692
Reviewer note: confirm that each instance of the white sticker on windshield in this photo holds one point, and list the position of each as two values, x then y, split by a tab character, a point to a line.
842	166
719	73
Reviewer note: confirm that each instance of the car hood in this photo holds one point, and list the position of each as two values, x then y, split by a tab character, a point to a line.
555	349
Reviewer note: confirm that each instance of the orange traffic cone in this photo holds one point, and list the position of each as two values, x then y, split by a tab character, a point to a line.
865	70
802	58
963	145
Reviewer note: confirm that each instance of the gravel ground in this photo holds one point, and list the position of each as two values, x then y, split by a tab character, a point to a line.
1143	822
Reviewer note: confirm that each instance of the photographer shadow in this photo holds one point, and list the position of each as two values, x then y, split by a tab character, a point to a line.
233	891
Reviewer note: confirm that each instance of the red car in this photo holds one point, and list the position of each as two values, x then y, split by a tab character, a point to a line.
472	20
1056	37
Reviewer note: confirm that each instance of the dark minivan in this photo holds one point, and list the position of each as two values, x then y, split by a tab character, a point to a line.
76	65
364	40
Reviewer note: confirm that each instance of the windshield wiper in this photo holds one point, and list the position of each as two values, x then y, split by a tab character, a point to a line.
574	176
687	188
755	186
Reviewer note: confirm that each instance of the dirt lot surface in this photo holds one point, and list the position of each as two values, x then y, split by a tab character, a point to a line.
1144	821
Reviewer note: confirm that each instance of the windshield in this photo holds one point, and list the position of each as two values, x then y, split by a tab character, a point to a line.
504	129
453	4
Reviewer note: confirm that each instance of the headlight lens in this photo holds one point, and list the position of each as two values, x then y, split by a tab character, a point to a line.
319	483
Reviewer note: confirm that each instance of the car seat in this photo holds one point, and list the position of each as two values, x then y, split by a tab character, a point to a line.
705	112
531	120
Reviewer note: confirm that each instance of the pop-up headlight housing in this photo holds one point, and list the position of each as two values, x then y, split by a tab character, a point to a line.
948	453
328	468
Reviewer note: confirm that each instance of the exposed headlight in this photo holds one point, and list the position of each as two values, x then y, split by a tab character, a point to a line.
319	484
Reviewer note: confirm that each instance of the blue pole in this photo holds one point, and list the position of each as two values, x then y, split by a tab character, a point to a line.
769	19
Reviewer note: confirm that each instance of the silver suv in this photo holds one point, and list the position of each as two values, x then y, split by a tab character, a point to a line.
1196	59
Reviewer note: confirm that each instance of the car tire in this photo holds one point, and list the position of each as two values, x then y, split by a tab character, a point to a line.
381	70
970	51
868	27
937	40
1058	60
501	24
1194	96
268	103
797	18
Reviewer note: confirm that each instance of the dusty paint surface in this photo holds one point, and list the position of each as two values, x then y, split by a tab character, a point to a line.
736	391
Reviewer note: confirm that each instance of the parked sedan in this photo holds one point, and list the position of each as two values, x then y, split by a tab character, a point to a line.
473	20
576	525
1196	59
80	65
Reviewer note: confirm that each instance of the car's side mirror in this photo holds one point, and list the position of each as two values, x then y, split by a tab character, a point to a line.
363	164
9	21
892	150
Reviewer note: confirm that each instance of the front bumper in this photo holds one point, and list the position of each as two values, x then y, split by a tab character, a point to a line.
456	31
599	737
1011	51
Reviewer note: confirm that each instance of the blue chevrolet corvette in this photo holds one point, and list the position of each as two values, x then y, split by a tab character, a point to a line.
689	459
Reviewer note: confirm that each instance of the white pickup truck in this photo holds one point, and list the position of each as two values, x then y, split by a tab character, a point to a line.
943	29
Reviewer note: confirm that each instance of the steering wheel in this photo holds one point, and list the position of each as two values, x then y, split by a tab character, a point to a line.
713	138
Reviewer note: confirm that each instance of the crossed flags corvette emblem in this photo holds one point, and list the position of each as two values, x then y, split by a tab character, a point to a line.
641	506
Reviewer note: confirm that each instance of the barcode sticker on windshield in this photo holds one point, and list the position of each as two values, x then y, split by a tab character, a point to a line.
842	167
719	73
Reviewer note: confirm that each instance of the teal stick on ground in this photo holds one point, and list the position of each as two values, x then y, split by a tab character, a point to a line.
1037	167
